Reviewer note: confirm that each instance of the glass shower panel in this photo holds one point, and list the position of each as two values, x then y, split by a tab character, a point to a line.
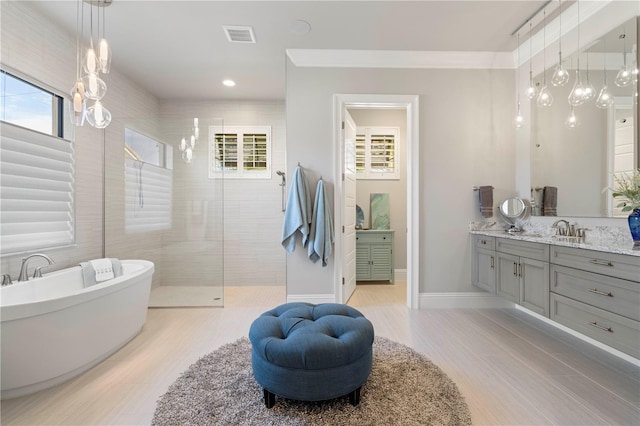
161	205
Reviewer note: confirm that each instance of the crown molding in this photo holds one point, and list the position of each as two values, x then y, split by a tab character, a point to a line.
345	58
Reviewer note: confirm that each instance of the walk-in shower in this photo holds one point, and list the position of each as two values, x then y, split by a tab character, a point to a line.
163	208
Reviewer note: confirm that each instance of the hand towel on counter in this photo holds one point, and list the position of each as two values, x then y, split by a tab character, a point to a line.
550	201
297	216
486	201
321	235
90	273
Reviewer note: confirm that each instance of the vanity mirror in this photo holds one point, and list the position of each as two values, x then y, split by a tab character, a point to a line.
580	161
514	211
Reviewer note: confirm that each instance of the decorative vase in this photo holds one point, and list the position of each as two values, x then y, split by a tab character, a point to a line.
634	227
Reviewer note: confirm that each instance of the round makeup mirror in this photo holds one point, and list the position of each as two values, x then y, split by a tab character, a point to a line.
515	211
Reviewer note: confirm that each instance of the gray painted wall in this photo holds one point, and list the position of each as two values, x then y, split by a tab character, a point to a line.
466	140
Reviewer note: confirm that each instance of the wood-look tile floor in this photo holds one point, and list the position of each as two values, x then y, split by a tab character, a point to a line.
511	368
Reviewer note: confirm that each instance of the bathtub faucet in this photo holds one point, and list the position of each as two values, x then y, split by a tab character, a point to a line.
24	273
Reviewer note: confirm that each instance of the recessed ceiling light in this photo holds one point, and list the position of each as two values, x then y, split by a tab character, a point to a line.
229	83
299	26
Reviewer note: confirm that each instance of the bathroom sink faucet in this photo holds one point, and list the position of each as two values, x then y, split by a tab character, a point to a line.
24	274
568	230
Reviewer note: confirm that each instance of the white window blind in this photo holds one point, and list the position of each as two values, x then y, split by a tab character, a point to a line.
377	153
240	152
36	190
148	192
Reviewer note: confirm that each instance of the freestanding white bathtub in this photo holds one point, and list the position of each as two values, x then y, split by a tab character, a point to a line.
54	329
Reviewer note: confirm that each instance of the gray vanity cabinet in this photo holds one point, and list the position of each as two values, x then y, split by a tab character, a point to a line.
374	255
523	273
483	273
598	295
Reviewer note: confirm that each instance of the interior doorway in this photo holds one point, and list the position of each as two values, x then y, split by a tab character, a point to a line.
408	104
381	202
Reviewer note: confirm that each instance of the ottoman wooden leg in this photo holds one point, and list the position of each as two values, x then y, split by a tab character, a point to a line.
354	397
269	398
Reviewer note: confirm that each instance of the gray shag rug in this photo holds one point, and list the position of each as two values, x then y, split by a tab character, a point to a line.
404	388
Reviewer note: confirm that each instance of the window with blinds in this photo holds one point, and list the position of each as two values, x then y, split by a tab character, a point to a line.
148	186
377	153
36	190
240	152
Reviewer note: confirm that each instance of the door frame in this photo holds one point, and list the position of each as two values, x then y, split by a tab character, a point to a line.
410	103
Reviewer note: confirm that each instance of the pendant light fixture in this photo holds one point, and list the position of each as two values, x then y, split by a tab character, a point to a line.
104	50
545	99
89	85
532	90
77	106
588	90
572	121
560	75
605	100
576	96
625	76
187	147
518	121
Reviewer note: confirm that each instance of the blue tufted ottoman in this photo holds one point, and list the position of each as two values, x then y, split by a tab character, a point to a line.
311	352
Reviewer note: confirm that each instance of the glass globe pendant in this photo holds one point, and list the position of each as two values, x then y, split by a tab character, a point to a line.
560	75
572	121
98	116
77	106
545	99
625	75
576	97
605	100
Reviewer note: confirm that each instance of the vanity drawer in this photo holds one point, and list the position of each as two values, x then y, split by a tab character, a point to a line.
526	249
613	330
619	296
612	264
484	242
374	237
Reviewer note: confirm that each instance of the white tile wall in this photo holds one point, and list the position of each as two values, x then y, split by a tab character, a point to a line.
252	208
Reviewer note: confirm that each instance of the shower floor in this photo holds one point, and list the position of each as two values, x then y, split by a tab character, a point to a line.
182	296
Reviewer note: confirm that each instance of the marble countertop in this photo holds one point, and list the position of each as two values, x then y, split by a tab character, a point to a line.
590	242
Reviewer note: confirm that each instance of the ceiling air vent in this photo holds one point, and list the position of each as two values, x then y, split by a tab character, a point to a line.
239	34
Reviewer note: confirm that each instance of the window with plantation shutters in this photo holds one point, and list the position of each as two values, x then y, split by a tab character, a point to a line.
240	152
377	153
148	184
36	190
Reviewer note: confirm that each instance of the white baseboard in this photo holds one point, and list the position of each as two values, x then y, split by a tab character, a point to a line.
400	274
581	336
466	300
311	298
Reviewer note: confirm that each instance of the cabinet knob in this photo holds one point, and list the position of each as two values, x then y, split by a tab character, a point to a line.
483	241
384	238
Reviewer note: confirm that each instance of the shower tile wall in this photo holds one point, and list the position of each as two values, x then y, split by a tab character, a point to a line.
252	208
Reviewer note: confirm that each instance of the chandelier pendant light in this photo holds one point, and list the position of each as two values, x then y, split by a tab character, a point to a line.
187	147
532	90
588	90
572	121
545	99
604	100
577	94
518	121
560	75
89	85
625	76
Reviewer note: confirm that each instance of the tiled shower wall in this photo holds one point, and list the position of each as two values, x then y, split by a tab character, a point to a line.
252	207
